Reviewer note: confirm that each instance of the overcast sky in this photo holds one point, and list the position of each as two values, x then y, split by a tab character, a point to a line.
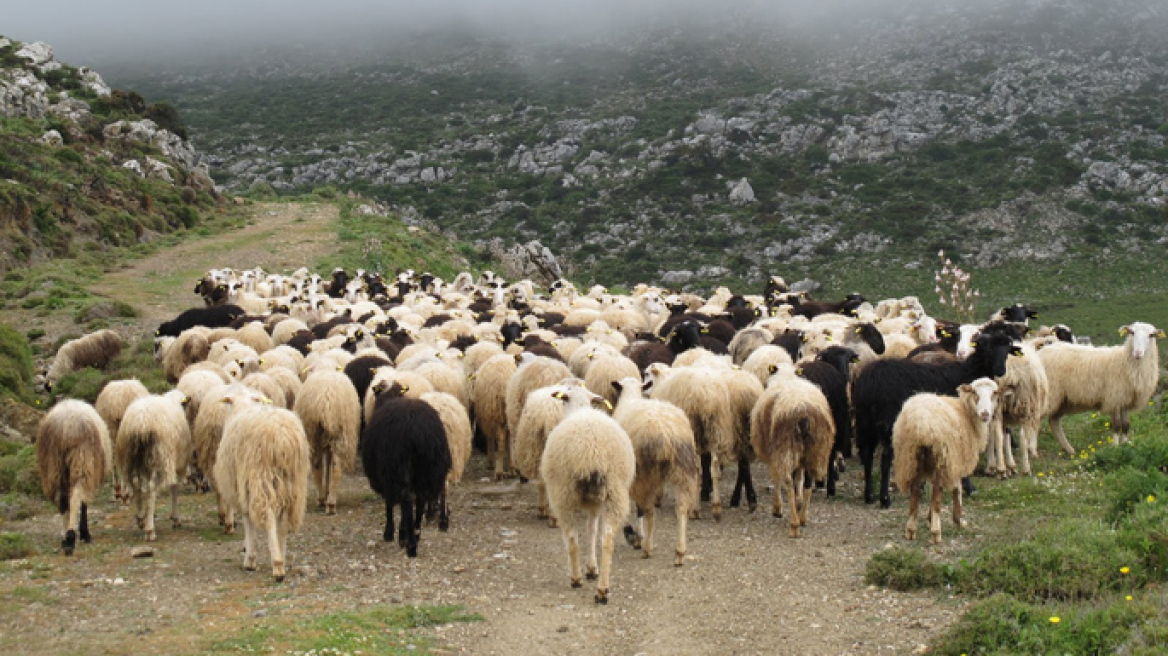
79	30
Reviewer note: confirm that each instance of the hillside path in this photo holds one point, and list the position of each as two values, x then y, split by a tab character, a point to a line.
279	237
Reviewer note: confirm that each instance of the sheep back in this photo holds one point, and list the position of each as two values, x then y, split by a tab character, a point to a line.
73	451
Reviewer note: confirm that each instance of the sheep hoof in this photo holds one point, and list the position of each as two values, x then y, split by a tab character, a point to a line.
910	534
886	502
576	583
794	531
632	538
716	511
330	509
151	536
141	522
694	514
591	574
320	504
776	513
444	525
229	529
752	506
936	538
175	522
602	597
646	554
542	513
249	565
412	551
678	558
69	543
959	522
552	523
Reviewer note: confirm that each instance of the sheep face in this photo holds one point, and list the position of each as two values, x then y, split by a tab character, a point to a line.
1142	336
982	395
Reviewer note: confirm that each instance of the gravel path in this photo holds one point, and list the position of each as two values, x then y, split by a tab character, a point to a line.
745	587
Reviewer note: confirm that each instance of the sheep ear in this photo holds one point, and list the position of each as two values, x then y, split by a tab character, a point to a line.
859	330
773	368
966	388
1160	334
1016	350
799	371
617	386
1124	331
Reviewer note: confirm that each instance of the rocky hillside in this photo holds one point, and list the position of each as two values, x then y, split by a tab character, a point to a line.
85	165
1011	134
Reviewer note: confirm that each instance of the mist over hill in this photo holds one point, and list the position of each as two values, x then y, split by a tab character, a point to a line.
704	147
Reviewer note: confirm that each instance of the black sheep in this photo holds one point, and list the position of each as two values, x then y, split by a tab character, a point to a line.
302	341
406	458
645	353
336	288
511	332
790	341
871	335
883	387
811	309
688	334
741	317
829	372
1017	313
219	316
721	330
362	370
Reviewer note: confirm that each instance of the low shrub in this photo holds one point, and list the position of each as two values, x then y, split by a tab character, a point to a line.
904	570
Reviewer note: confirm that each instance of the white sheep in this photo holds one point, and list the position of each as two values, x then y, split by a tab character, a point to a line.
1112	379
93	350
111	404
939	438
262	472
489	400
589	465
665	451
792	431
152	451
330	413
73	455
542	411
1023	396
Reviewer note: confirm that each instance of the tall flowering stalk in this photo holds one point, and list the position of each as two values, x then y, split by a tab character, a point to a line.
953	289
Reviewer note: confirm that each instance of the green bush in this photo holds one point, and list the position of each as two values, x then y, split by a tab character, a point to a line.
904	570
1068	560
1145	532
16	369
1003	625
18	471
82	384
1130	487
15	545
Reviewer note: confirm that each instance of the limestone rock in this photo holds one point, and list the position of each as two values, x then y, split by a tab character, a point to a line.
742	193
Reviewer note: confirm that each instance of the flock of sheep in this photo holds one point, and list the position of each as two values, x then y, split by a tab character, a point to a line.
602	398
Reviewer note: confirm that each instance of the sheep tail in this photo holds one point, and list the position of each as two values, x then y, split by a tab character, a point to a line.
926	460
591	489
804	429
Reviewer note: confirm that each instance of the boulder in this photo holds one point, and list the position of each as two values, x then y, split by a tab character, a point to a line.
742	193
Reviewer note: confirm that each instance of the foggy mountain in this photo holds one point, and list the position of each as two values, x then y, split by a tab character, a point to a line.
695	144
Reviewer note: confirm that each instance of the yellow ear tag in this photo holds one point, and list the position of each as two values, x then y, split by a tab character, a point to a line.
607	404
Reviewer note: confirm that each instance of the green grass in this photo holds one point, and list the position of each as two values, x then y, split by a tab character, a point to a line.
377	630
904	570
15	545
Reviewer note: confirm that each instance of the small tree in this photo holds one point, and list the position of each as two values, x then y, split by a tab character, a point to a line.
953	289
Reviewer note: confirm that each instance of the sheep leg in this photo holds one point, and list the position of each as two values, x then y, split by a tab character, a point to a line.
1056	427
991	449
650	515
885	475
789	486
914	504
634	536
151	500
1121	424
274	546
935	511
606	559
443	510
806	501
412	510
387	535
958	507
1011	465
175	522
777	477
229	521
83	533
501	455
330	501
139	506
249	558
1024	451
715	483
493	451
544	512
403	528
707	479
416	529
318	481
867	456
593	536
69	542
682	520
572	541
744	475
832	475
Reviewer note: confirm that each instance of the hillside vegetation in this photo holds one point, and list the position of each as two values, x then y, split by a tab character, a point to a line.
1023	138
84	167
